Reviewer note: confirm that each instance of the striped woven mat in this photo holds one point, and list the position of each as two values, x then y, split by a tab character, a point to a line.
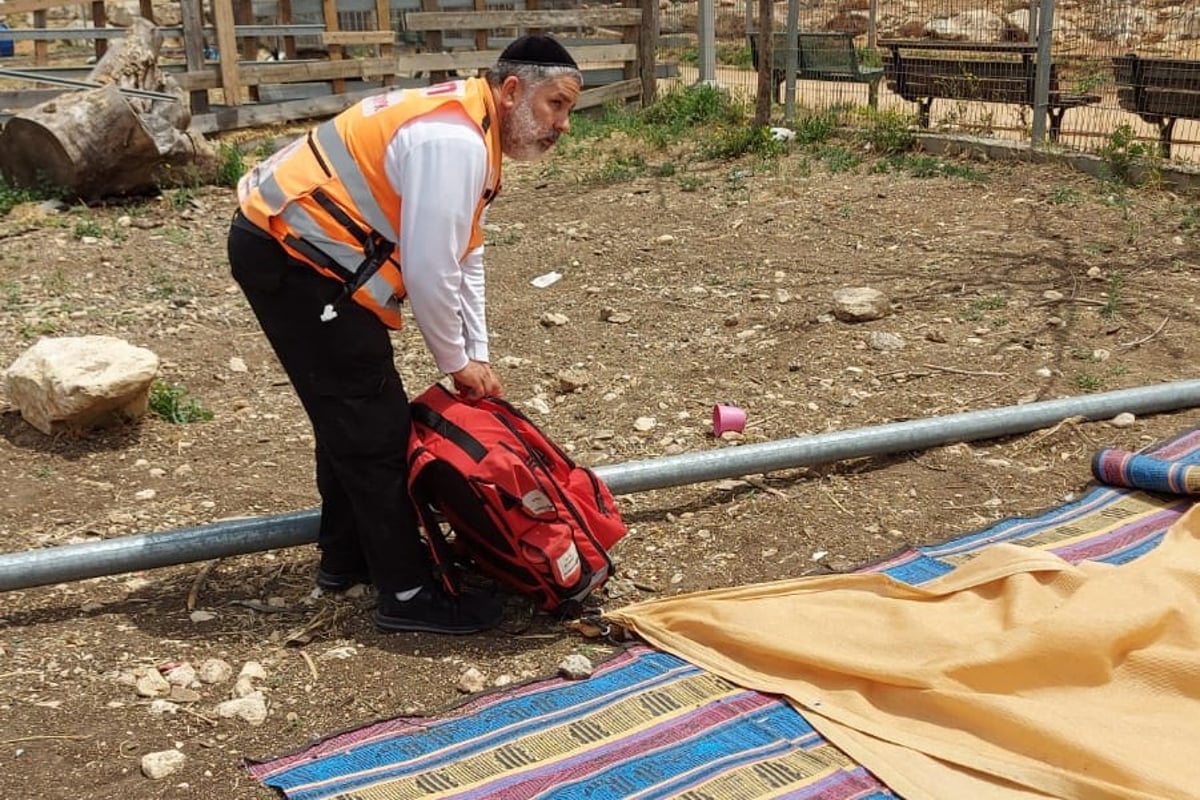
649	725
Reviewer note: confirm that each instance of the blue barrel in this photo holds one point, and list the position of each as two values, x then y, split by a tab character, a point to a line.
6	45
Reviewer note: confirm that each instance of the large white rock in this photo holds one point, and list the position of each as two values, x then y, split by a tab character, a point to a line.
80	382
860	304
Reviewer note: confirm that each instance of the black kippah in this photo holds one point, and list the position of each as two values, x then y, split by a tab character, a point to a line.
541	50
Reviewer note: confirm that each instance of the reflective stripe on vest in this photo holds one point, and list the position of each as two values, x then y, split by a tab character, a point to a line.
312	195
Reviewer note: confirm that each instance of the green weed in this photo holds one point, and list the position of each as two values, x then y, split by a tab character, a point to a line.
690	183
231	164
887	132
1124	156
32	330
817	128
1088	382
1112	296
925	166
735	55
171	403
734	141
88	227
11	197
839	159
617	169
1065	195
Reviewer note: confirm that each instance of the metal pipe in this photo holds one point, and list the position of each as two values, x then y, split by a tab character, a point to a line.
34	77
30	568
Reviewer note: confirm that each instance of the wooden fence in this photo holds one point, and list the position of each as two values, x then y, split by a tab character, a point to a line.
331	53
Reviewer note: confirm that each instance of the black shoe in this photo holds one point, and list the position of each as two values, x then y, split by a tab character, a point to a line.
433	610
339	582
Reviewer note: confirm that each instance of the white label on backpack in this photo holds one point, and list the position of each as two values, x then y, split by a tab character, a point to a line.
567	565
538	505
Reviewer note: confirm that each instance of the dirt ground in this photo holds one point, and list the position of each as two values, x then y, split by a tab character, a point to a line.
684	283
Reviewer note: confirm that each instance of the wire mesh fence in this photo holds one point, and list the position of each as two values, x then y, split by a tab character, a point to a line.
1124	75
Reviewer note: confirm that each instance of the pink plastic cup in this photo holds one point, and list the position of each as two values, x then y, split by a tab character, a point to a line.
727	418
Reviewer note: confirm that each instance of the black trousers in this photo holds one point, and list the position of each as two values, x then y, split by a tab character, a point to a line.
344	374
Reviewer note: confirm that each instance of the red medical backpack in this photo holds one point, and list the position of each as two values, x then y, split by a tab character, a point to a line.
516	504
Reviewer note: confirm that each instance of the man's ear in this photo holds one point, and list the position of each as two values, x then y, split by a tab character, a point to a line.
510	91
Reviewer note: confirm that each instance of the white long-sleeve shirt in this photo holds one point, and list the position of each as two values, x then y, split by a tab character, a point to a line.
438	164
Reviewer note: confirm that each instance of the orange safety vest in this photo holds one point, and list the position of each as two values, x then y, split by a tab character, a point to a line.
327	199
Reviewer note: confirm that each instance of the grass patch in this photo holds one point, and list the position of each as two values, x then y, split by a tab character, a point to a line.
886	132
926	166
1128	161
172	403
11	197
729	142
817	128
1112	296
1065	196
231	164
839	159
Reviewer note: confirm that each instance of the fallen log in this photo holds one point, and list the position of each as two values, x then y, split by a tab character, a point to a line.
97	143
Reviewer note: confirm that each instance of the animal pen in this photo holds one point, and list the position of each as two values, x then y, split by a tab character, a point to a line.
245	63
1120	78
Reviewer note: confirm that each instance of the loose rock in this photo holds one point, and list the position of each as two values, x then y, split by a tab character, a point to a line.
163	763
575	667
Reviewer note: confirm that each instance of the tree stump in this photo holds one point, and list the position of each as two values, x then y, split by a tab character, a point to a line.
95	143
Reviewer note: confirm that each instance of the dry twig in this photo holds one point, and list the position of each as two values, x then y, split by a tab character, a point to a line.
954	371
198	583
1145	339
44	737
1075	420
199	716
312	667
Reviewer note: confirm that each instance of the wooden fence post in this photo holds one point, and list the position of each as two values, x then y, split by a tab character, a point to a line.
99	20
647	54
191	19
329	12
231	84
383	22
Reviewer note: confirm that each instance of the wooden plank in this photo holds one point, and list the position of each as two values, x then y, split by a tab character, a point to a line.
54	34
948	44
473	21
357	37
227	45
146	10
482	59
228	119
25	6
620	90
289	72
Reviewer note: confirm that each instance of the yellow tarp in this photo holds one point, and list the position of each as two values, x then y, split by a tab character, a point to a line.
1016	675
